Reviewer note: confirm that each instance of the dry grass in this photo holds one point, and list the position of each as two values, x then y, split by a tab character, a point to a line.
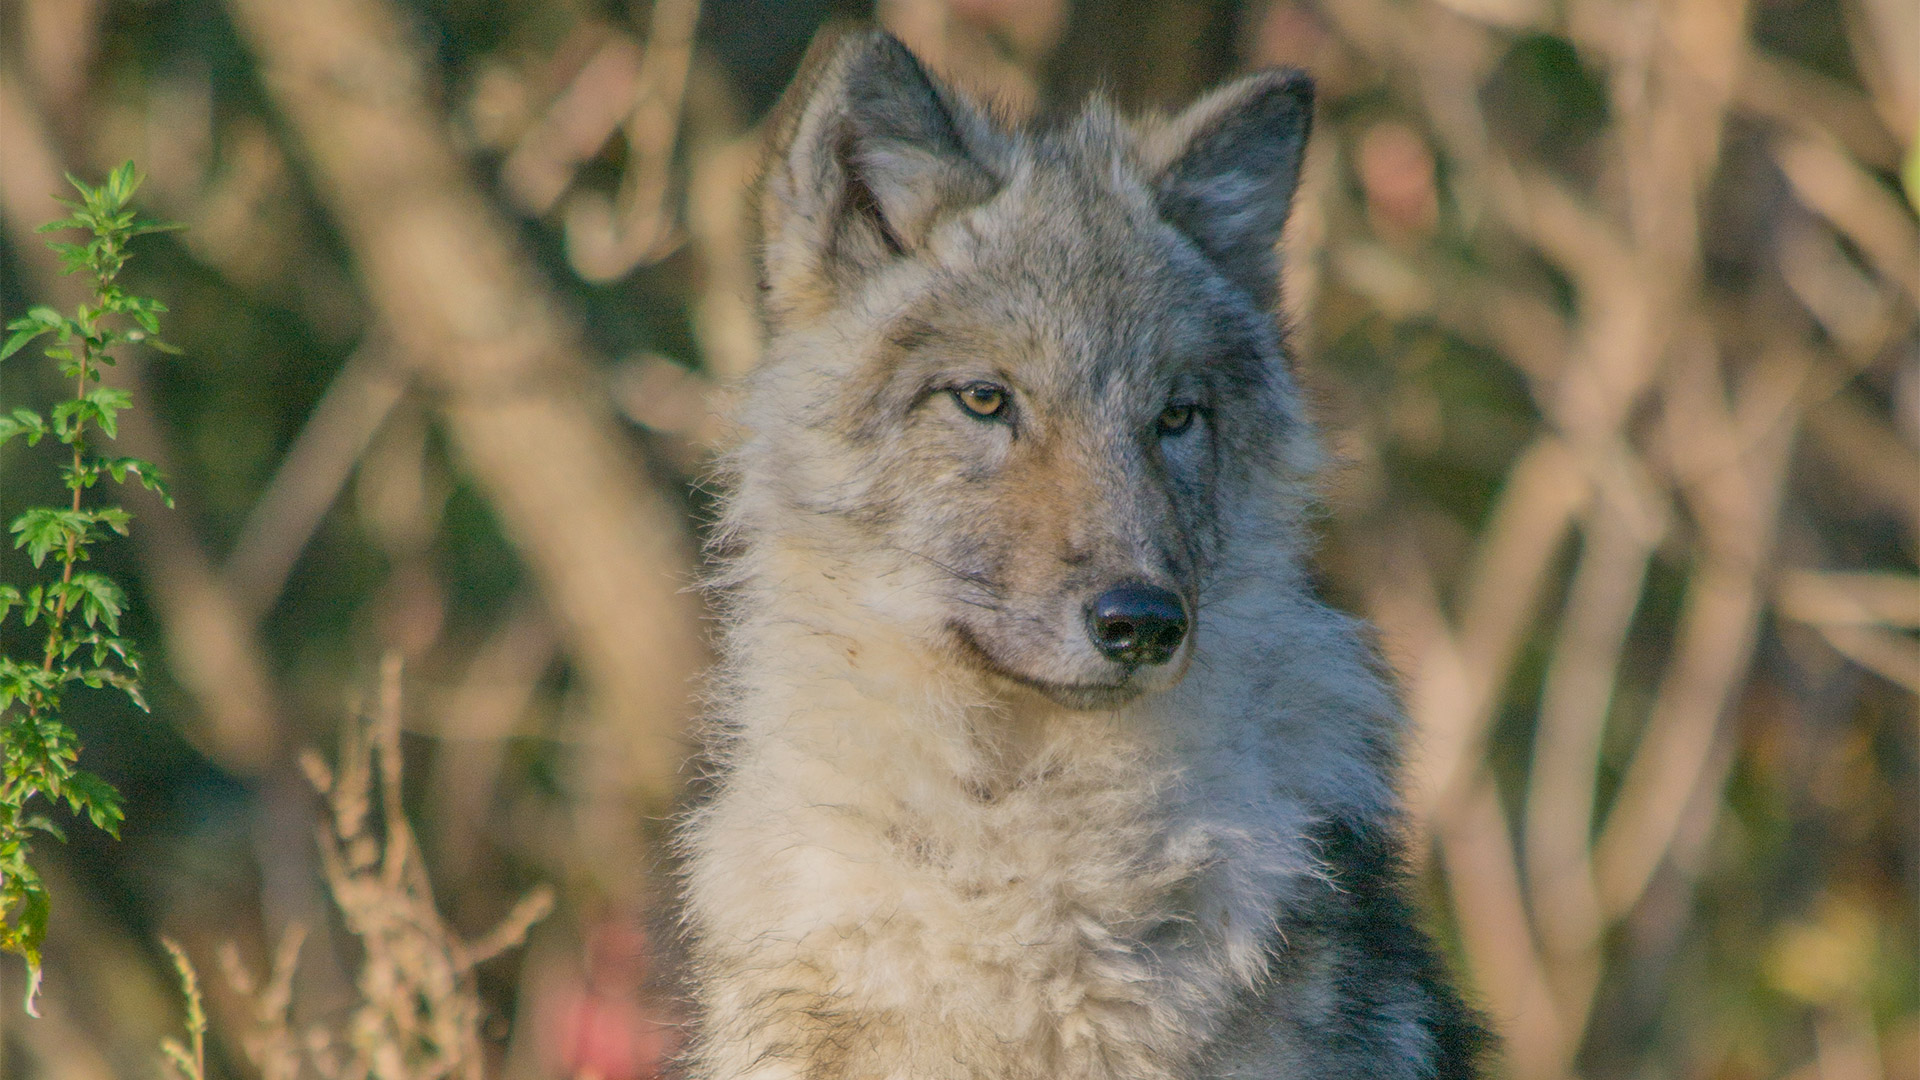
419	1014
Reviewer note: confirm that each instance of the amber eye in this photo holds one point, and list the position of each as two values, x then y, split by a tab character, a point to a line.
982	399
1175	419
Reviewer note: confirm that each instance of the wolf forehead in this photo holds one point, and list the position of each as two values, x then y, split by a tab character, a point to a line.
1072	237
1052	265
895	204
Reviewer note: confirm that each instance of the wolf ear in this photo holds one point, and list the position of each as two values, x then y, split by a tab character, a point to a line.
868	154
1227	170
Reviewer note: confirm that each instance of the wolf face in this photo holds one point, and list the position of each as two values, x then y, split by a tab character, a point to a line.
1023	387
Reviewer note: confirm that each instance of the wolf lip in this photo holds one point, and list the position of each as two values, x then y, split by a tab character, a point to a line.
1072	695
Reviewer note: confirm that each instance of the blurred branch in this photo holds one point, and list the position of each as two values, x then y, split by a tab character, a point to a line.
516	391
1574	706
1861	616
619	88
725	316
212	645
1492	914
543	163
1630	244
1787	93
311	477
1893	657
1834	186
1733	480
1882	33
60	42
1881	466
1851	599
1452	692
475	719
607	239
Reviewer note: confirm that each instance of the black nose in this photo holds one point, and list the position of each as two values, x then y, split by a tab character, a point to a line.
1137	623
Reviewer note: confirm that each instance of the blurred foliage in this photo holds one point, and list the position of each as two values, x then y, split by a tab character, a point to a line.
1609	309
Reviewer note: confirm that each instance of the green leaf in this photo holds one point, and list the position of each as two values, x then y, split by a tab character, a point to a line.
122	183
108	402
72	256
43	530
33	423
145	311
149	476
72	222
97	598
36	321
18	340
22	422
70	417
39	315
21	681
125	682
38	752
105	645
45	825
112	517
87	793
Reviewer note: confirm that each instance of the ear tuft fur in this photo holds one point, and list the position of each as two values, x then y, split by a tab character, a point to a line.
1228	168
869	153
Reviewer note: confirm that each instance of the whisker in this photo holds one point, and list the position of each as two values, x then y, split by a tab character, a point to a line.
985	605
969	576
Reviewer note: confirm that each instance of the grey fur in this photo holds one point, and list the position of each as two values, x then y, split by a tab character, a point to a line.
950	840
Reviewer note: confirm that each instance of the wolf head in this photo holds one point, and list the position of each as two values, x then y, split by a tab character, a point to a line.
1025	401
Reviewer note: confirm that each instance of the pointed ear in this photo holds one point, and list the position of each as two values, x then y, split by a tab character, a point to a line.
1227	170
868	154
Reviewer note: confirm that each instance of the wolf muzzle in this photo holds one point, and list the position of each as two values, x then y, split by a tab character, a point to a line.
1137	623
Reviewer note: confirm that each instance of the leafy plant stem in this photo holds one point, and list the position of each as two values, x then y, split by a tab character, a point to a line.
38	750
68	557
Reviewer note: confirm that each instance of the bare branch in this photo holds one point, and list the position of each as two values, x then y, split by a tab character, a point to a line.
516	394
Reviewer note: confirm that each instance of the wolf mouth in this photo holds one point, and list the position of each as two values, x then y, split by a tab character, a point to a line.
1072	695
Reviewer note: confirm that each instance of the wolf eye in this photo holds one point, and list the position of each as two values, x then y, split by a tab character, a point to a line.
1175	419
982	399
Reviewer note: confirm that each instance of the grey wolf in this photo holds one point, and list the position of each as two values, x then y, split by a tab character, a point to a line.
1036	756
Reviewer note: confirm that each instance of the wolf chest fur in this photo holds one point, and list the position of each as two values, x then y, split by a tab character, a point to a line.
1035	756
